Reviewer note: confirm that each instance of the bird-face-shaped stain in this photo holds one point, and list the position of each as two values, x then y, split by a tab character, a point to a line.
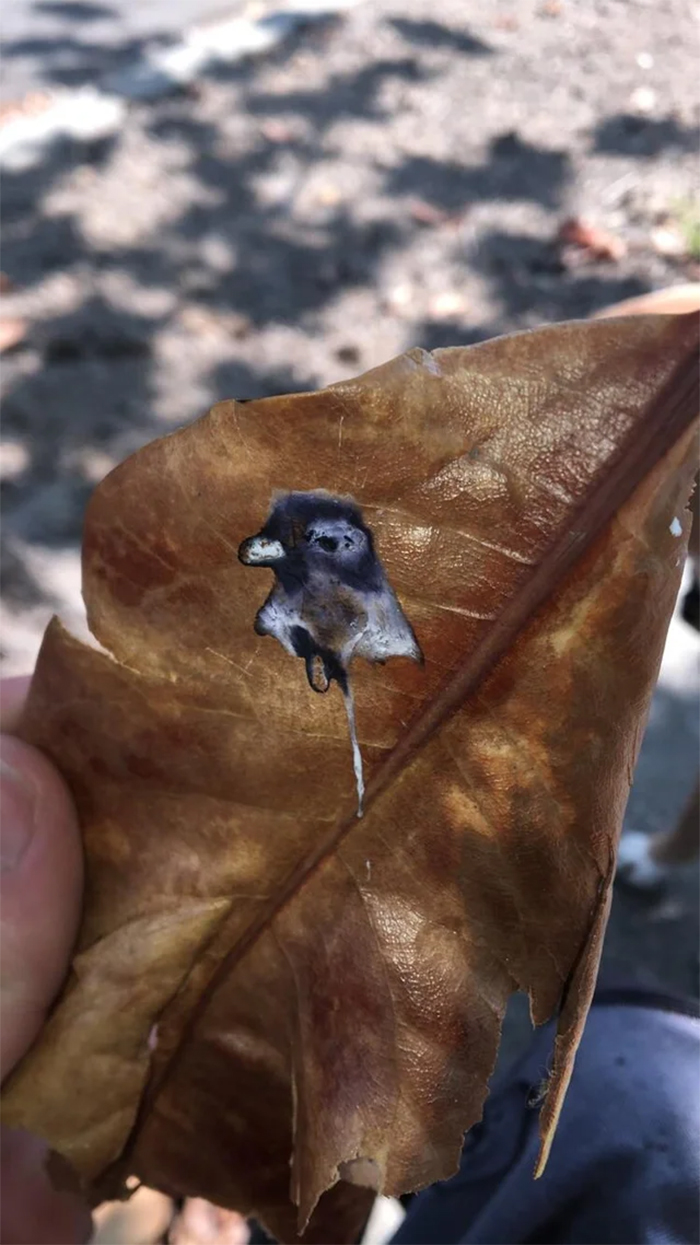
331	600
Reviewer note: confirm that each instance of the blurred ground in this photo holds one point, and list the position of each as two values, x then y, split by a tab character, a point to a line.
72	42
393	176
390	177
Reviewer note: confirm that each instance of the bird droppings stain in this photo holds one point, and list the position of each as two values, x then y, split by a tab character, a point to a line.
675	528
355	744
331	600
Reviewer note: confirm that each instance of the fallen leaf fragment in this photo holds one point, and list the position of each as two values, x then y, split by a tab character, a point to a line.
262	977
594	240
426	213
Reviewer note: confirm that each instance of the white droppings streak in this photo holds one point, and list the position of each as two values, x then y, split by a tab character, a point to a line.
356	754
675	528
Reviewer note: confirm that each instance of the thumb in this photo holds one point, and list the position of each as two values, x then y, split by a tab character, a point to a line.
41	874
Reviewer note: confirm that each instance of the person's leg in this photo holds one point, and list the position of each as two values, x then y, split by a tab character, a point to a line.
624	1163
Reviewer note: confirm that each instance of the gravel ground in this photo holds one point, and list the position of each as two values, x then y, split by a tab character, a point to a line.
71	42
391	177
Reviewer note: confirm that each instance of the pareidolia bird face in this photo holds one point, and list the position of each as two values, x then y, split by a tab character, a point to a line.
331	599
313	534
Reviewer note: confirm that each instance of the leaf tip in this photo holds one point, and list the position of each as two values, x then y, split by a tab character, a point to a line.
551	1110
543	1154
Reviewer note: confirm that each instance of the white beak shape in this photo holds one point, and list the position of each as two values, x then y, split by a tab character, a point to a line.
259	551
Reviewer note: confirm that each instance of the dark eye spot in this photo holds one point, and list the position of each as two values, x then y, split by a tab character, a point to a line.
327	543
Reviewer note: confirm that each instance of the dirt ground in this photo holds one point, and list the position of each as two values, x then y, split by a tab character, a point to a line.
390	177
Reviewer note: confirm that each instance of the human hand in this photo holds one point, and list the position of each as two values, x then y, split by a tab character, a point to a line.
41	881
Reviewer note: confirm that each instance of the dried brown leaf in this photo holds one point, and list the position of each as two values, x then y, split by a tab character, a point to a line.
262	976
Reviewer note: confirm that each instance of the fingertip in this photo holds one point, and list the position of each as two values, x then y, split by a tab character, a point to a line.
40	888
13	694
33	1211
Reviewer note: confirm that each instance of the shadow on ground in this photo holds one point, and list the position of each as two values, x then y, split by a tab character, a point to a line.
75	44
273	248
235	251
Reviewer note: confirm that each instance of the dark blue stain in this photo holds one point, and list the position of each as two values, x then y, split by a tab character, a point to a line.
331	598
